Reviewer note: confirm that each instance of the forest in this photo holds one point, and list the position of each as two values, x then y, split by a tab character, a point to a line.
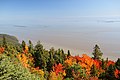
21	61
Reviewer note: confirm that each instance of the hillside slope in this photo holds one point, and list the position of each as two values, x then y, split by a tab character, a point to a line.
10	39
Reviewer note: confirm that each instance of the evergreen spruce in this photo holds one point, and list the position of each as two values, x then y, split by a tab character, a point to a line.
94	71
4	42
23	44
51	59
38	54
103	64
117	64
68	53
97	53
30	47
110	73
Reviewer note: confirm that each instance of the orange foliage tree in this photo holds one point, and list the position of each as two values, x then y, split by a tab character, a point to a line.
23	59
1	50
117	73
58	72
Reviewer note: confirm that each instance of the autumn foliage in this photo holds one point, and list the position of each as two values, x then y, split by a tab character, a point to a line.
57	65
1	50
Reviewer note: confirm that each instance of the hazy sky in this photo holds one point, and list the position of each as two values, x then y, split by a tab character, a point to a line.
64	22
54	11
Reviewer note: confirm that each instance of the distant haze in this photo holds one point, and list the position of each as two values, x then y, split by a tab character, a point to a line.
78	38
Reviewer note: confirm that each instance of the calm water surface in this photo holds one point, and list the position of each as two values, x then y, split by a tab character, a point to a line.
78	35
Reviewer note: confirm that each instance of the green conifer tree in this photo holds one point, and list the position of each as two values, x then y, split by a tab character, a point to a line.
110	73
38	54
103	65
68	53
97	53
117	64
94	71
30	47
23	44
51	59
41	56
4	42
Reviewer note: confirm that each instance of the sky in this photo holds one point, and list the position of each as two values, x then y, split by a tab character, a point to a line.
55	11
64	22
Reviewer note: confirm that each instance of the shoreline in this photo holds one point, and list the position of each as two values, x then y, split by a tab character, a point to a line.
74	50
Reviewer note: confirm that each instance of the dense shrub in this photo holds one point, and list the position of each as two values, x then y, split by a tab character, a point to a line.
10	70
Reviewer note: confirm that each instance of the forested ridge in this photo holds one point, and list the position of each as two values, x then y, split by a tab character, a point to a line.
10	39
21	61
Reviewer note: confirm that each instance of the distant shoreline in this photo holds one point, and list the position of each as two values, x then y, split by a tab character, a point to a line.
74	50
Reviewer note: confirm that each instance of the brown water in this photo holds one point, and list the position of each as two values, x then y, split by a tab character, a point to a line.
79	37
